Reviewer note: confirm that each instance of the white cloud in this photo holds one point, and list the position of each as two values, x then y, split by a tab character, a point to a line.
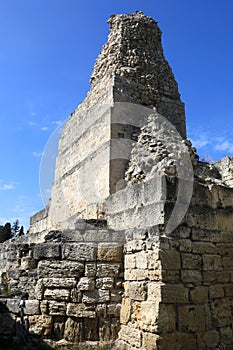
57	122
224	146
31	123
37	154
8	187
200	142
44	128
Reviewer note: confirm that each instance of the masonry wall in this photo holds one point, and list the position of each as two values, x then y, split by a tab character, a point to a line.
179	286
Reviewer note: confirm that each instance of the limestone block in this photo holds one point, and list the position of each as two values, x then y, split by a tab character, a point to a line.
56	308
86	283
32	307
191	276
39	290
108	269
114	309
213	262
96	296
75	295
125	311
149	341
44	307
91	329
177	341
59	282
153	260
201	235
225	249
41	325
57	294
140	274
90	269
167	318
221	312
130	261
193	318
55	269
191	261
169	276
105	283
136	291
58	327
141	260
209	339
135	246
79	251
216	291
173	293
80	310
130	335
111	252
73	330
185	245
204	248
199	295
47	251
170	260
116	294
227	263
226	334
149	315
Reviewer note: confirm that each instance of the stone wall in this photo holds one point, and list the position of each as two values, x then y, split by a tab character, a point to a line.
74	280
179	286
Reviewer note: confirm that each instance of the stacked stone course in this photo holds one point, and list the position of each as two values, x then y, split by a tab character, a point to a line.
119	276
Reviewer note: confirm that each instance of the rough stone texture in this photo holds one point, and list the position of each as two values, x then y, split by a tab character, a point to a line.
113	271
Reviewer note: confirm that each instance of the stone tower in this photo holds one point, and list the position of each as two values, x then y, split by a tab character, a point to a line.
130	71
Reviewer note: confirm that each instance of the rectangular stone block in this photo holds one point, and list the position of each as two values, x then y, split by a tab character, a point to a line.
96	296
110	252
216	291
32	307
136	291
130	335
47	251
105	283
191	276
57	308
141	260
60	269
191	261
174	293
199	295
108	269
80	310
57	294
193	318
86	283
170	260
59	282
79	251
213	262
204	248
90	269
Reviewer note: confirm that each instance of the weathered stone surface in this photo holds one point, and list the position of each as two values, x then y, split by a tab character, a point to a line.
58	327
105	283
136	291
210	339
108	270
96	296
57	308
41	324
149	341
199	295
80	310
57	294
59	282
131	336
170	260
79	251
193	318
73	330
111	252
86	283
125	310
32	307
90	269
47	251
60	269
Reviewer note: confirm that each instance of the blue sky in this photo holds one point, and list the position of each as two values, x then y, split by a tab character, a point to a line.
47	51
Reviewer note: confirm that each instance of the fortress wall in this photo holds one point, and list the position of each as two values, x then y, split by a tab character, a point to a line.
179	286
77	287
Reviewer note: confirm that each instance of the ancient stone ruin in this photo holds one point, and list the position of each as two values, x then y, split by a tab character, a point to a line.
134	249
